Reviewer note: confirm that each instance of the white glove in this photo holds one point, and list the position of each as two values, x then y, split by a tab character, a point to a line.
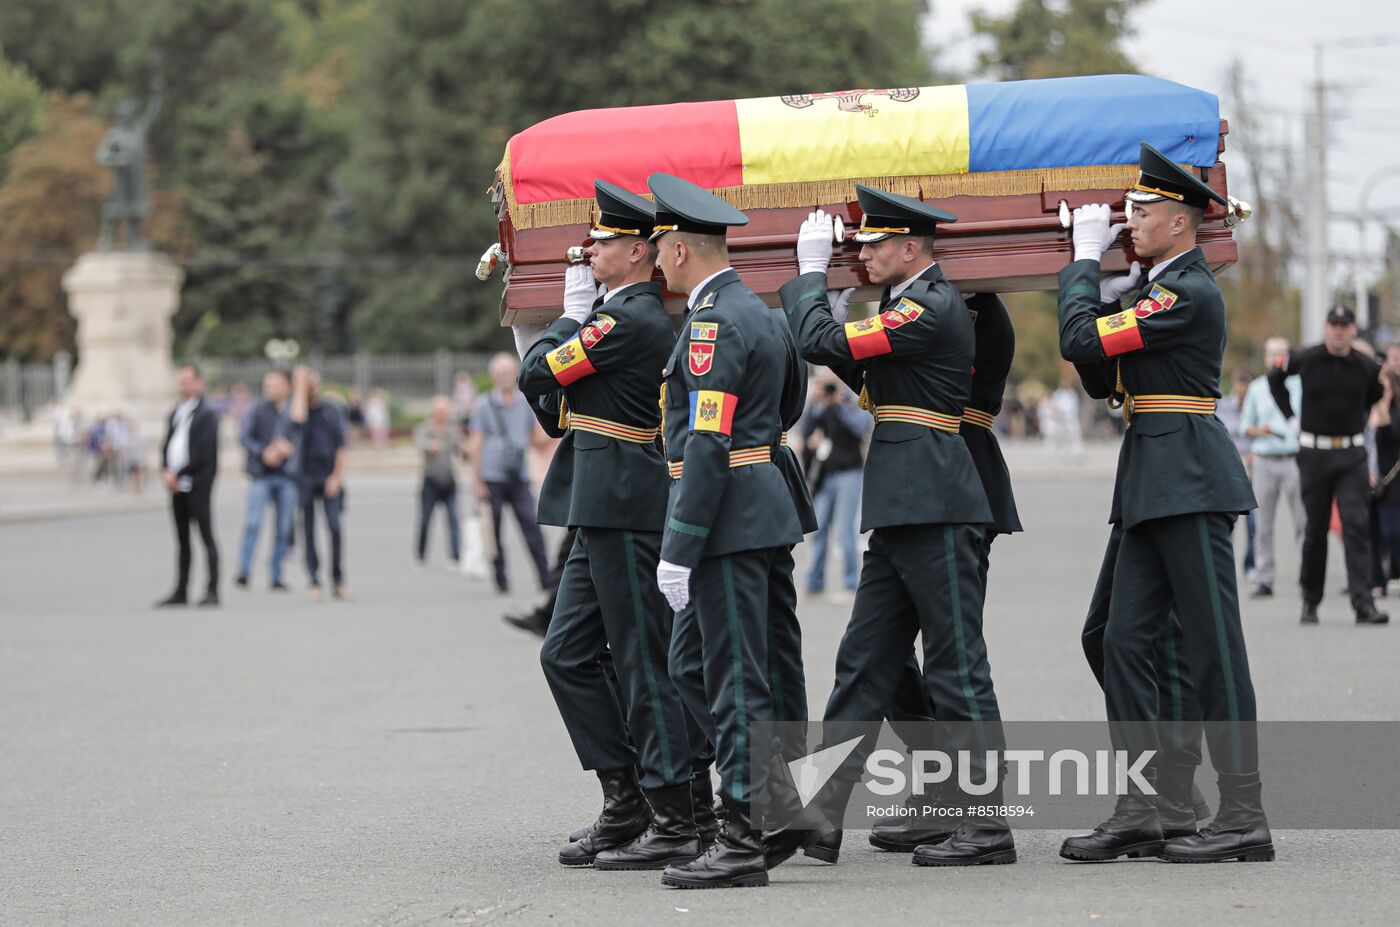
1092	233
840	301
1113	289
580	289
525	337
814	244
674	582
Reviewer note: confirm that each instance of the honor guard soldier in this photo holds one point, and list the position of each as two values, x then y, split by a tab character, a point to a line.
730	519
1179	488
912	715
923	501
608	480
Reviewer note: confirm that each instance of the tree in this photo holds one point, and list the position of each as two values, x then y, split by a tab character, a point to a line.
21	107
1055	38
48	213
440	86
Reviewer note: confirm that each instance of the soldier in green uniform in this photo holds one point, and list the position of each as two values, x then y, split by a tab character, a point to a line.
609	481
1179	488
911	715
1180	805
730	518
912	365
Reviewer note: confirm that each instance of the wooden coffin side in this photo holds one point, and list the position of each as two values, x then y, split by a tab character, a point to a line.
999	244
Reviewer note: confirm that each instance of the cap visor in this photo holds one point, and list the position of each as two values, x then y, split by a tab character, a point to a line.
866	238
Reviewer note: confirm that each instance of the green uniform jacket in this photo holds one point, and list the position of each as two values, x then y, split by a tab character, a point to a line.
1170	341
608	367
914	475
994	350
728	383
794	403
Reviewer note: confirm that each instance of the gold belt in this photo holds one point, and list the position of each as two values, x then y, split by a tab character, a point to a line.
610	429
743	457
913	415
977	417
1168	402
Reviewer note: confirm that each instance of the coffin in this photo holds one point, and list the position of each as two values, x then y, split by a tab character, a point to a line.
1007	158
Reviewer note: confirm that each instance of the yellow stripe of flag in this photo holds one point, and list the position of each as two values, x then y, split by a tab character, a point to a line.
829	138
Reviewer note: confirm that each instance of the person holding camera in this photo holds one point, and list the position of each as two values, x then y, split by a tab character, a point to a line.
503	428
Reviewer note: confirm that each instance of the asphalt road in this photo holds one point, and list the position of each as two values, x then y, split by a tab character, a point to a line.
397	759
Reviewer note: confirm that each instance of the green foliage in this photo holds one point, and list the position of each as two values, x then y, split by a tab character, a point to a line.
21	108
68	45
1045	38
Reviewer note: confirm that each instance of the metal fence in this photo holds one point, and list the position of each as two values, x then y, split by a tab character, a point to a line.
410	379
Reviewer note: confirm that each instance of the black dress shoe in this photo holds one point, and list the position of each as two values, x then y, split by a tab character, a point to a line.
279	586
175	598
1133	830
531	622
624	817
1262	591
669	840
241	582
1240	830
1309	615
1372	615
976	842
210	600
735	860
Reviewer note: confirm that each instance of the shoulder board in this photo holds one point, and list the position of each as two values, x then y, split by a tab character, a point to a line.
707	303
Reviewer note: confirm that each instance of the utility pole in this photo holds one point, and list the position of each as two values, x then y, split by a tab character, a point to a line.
1315	290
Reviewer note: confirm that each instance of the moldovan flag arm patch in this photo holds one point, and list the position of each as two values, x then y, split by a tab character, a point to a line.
711	410
868	338
569	363
1119	333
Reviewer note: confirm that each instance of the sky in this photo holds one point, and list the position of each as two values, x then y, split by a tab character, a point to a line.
1193	42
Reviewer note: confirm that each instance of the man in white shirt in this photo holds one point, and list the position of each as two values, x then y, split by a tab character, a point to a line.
189	463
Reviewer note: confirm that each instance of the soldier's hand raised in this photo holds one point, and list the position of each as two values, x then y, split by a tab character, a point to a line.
814	245
580	289
1092	233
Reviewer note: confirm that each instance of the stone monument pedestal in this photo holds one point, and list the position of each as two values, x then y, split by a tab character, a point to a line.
123	302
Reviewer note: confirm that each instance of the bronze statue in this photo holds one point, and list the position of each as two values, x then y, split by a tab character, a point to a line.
123	149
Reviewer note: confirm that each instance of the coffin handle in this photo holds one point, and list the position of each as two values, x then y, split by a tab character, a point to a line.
487	265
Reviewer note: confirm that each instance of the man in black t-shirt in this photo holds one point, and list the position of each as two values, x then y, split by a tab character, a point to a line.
1340	384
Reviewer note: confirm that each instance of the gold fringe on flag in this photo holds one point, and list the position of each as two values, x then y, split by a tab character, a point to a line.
826	192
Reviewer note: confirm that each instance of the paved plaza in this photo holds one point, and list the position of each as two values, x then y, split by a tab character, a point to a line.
397	759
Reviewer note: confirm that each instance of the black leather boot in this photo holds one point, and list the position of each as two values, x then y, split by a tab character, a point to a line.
1133	830
702	803
1240	830
827	846
669	839
979	840
1176	800
818	825
735	860
918	828
625	815
1199	804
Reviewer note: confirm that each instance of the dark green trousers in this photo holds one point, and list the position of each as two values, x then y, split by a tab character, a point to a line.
911	713
786	677
917	580
608	601
1179	711
1186	561
720	659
